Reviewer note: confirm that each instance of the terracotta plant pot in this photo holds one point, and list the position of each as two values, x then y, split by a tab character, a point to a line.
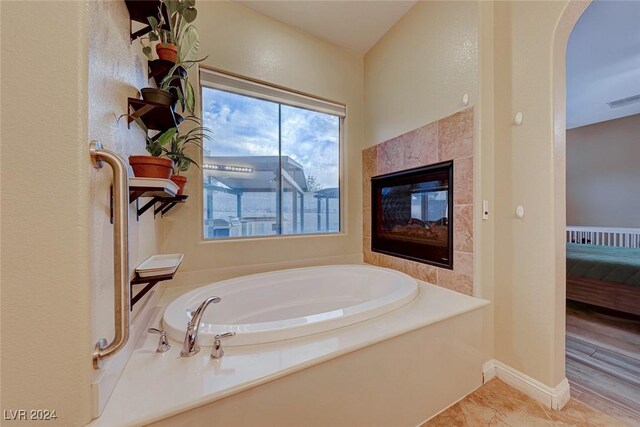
151	167
168	52
180	181
159	96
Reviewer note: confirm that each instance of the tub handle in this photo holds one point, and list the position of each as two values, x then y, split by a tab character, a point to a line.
218	352
163	344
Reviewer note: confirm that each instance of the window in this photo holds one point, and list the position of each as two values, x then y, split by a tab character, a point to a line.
272	166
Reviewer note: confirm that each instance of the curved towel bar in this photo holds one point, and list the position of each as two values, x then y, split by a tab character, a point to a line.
120	251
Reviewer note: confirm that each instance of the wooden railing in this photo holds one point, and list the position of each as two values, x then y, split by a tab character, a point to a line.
604	236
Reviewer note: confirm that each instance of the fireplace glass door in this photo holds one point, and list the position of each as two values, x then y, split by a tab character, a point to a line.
412	214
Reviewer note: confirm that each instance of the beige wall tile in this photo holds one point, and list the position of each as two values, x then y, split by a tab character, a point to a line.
455	135
463	181
461	278
366	193
463	228
369	162
390	156
421	146
366	222
420	271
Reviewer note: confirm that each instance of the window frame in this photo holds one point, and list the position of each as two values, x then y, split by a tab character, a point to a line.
342	150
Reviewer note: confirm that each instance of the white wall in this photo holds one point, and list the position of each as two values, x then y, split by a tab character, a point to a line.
242	41
603	174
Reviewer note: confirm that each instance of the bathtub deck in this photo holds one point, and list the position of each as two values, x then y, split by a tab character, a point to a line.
154	387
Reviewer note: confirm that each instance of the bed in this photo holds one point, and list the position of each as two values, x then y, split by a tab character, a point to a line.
605	274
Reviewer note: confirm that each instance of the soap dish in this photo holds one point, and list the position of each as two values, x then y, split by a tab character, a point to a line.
159	265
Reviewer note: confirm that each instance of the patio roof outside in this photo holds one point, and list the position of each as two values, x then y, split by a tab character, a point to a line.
254	174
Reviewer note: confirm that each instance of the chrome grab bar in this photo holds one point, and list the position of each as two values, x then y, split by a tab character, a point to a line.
120	251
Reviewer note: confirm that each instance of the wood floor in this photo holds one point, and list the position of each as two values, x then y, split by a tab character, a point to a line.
603	361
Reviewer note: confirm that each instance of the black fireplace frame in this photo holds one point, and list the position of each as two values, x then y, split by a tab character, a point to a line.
407	250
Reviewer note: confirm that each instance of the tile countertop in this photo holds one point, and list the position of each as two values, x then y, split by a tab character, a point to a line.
155	386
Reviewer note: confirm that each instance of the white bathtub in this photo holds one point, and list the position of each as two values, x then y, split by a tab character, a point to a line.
285	304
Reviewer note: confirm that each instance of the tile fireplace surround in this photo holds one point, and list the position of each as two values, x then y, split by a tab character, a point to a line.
450	138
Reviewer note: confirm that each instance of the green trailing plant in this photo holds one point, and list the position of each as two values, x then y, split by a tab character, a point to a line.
183	89
176	149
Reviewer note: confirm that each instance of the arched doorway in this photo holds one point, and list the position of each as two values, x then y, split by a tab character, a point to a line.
599	365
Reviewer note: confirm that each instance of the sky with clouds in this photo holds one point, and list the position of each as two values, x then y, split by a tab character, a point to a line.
245	126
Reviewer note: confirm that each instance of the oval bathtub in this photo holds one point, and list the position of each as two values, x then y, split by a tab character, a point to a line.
285	304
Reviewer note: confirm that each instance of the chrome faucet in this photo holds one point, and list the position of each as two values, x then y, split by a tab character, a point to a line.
190	346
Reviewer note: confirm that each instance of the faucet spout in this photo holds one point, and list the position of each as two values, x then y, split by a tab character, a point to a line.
190	346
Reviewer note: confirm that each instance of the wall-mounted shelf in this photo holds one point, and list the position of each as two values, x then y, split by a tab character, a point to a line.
161	205
139	10
159	68
155	116
150	281
151	187
163	193
166	265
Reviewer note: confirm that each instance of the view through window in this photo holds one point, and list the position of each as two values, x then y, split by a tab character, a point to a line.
269	168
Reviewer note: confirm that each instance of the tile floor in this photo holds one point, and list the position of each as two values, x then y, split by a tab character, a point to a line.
497	404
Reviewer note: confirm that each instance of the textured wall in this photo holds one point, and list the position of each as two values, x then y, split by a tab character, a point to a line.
603	174
450	138
46	291
420	69
530	39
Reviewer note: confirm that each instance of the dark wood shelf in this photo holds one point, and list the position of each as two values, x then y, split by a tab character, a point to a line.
166	204
139	10
165	200
137	192
162	199
159	68
151	282
161	204
155	116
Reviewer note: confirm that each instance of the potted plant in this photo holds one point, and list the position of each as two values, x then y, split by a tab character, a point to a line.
153	165
175	32
175	35
176	150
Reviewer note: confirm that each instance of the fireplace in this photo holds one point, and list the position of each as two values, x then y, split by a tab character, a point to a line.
412	214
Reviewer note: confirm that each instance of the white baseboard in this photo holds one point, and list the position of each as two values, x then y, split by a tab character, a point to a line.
553	397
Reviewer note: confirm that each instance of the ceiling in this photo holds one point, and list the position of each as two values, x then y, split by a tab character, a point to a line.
603	62
355	25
